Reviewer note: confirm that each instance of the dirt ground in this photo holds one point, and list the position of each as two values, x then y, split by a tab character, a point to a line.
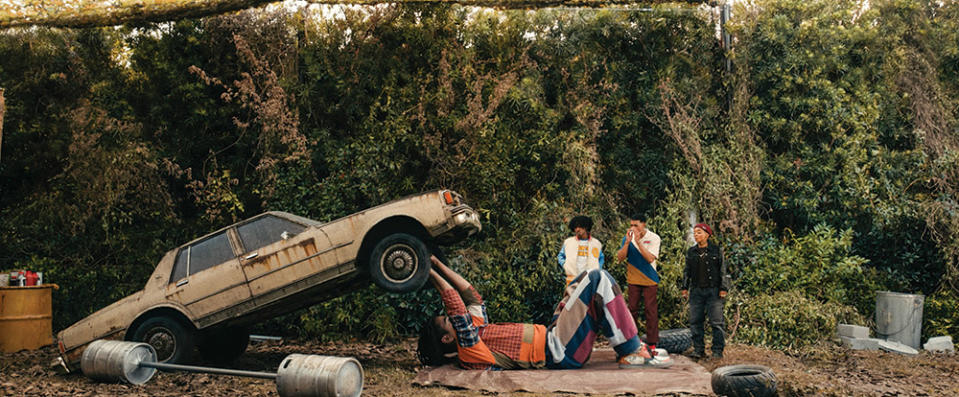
827	370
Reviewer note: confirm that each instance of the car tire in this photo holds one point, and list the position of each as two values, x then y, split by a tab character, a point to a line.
224	346
675	341
744	380
173	341
400	262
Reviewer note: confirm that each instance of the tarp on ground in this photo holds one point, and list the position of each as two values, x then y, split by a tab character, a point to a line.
600	375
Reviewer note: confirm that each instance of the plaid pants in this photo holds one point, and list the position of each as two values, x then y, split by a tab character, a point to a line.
592	303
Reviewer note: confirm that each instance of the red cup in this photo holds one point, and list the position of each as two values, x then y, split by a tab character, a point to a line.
31	278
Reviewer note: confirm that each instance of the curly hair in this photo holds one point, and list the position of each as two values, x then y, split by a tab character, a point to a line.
582	221
430	349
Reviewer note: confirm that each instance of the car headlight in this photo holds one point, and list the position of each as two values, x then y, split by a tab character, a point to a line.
462	217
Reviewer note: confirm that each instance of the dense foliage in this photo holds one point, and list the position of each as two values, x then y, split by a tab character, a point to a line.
826	156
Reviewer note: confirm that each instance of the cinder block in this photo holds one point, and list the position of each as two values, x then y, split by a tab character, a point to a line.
853	331
896	347
939	344
860	343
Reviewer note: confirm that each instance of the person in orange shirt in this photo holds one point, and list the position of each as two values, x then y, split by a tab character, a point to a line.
640	249
592	304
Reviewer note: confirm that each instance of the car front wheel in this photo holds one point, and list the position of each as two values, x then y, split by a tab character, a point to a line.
172	341
400	263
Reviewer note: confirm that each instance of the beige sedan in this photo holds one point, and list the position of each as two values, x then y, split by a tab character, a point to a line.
204	294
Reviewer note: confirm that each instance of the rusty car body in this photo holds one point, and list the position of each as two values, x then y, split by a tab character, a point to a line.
204	294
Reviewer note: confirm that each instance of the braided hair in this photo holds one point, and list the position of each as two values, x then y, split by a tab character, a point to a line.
430	349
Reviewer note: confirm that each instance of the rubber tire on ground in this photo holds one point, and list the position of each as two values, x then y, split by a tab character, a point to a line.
675	341
411	252
225	345
173	341
744	380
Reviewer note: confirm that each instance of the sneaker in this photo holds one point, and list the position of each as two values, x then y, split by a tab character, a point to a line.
697	354
652	349
717	354
642	358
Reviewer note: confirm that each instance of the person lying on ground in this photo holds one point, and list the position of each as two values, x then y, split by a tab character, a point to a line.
592	304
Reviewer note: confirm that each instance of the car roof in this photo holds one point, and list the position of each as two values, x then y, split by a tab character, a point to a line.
280	214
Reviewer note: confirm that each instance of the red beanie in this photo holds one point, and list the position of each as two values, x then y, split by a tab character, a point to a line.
705	228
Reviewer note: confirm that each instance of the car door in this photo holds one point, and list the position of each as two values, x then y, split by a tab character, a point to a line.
208	281
283	257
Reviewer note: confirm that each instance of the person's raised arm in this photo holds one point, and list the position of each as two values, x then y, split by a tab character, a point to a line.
454	278
623	251
438	281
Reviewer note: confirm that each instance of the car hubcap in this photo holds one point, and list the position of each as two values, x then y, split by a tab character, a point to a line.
399	263
162	341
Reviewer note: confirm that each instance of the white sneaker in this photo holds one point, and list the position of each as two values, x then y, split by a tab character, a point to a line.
639	360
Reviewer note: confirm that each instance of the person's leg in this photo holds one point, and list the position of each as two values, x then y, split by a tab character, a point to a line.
593	303
717	322
652	314
697	306
633	294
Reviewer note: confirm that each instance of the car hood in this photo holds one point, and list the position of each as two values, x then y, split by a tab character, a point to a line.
102	323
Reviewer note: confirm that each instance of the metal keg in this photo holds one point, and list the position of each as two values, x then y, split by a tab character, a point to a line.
118	361
313	375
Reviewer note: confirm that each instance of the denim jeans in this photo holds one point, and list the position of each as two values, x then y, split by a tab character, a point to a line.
706	302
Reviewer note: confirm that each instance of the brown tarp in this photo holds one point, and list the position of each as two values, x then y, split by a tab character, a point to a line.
600	375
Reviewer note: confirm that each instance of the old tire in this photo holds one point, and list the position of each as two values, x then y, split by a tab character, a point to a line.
400	262
675	341
173	341
224	346
744	380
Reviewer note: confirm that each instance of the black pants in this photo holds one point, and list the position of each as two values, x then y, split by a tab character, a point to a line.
706	302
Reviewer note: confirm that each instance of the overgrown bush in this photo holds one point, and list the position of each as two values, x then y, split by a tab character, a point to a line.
820	265
939	314
787	320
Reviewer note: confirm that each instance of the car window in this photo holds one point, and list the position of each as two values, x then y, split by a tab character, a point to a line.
180	267
210	252
267	230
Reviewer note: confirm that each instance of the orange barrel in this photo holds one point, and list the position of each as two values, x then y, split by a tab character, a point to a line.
26	317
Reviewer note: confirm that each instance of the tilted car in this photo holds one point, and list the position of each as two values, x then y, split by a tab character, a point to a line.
204	294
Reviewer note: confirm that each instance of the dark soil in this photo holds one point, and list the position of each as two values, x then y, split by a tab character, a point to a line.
827	370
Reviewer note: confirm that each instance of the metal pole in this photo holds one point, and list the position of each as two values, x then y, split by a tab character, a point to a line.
220	371
723	19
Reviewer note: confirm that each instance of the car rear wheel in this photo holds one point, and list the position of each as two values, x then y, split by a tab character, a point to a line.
173	341
400	263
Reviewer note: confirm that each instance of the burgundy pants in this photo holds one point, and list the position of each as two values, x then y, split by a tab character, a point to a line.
648	294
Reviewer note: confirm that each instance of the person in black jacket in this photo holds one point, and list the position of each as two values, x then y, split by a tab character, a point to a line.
705	285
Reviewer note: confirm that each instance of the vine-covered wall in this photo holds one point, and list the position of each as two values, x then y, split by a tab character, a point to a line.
826	157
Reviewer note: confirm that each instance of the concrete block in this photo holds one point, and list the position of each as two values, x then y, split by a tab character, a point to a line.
860	343
896	347
939	344
853	331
